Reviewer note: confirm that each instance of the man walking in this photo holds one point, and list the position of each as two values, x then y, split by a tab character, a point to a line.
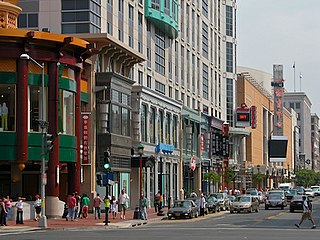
307	209
96	203
143	207
202	204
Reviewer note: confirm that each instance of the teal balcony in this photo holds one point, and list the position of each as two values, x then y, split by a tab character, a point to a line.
163	14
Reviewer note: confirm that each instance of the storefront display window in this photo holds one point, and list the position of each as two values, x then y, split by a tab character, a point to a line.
7	107
68	116
36	108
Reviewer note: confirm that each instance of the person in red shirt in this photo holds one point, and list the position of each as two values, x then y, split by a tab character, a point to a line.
97	208
72	202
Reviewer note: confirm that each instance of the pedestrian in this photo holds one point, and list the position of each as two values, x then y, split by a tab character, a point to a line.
8	203
3	212
107	203
143	207
97	208
157	201
114	207
202	204
37	207
81	206
71	207
19	206
307	212
85	206
123	199
77	212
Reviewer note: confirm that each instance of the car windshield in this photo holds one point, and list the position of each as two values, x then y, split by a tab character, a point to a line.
315	188
211	199
274	196
308	190
297	197
292	192
253	193
184	204
242	199
217	195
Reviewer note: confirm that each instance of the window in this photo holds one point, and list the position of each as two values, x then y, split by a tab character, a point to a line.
205	81
168	128
160	127
140	31
297	105
292	105
229	57
36	108
205	40
115	119
175	131
152	124
229	21
160	52
229	100
144	123
28	20
155	4
125	120
68	112
140	77
149	81
7	107
161	88
170	92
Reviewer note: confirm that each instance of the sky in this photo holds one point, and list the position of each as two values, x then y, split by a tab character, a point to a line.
282	32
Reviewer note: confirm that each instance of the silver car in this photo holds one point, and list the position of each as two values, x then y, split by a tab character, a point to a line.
245	203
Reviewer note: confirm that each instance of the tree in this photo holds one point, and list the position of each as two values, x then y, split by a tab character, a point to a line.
257	179
228	175
307	178
212	176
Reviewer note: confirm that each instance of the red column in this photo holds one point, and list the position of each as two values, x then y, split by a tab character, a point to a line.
53	101
74	168
22	112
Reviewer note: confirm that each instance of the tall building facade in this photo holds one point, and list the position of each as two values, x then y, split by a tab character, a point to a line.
301	104
315	141
178	61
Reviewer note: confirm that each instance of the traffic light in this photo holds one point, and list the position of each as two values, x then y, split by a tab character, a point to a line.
107	160
49	141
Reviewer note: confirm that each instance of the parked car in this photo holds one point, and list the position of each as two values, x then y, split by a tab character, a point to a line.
297	203
183	209
231	198
290	193
246	203
274	200
213	204
223	200
316	190
308	192
279	192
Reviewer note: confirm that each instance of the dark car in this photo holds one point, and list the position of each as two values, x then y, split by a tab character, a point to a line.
297	203
274	201
213	204
290	193
183	209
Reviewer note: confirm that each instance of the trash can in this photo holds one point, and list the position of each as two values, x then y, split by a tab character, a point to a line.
137	213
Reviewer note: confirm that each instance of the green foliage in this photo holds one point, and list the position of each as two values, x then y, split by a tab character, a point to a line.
228	175
215	177
307	178
257	178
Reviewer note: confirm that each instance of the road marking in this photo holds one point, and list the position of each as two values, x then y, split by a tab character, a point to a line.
277	215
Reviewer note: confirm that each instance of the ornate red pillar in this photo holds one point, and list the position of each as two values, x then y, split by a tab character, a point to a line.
74	168
53	163
22	112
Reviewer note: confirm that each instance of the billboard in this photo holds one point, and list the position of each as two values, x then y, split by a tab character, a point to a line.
277	148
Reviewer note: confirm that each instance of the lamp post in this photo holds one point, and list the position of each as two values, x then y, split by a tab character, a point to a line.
43	125
140	151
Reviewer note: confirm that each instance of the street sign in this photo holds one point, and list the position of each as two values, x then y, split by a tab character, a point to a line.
193	163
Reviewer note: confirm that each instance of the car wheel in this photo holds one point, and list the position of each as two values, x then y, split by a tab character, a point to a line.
291	210
231	211
196	216
282	207
266	208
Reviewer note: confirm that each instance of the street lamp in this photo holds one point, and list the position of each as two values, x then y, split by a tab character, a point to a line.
140	151
43	125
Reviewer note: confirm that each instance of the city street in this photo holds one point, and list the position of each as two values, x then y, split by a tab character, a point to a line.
266	224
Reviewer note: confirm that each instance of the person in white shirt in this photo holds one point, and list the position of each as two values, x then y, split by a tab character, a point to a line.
202	204
19	206
123	199
306	212
37	207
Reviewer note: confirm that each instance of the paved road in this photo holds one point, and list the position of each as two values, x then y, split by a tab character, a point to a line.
265	225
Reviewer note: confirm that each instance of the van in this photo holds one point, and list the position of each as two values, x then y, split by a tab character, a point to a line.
285	186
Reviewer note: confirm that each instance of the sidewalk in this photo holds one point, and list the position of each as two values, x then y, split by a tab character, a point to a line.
90	222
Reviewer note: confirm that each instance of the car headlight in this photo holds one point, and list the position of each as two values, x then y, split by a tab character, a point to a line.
246	205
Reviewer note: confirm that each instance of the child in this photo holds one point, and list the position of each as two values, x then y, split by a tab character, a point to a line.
114	207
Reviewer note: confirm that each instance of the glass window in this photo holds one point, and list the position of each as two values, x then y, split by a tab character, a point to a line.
152	124
168	126
115	119
144	123
68	117
297	105
33	20
22	21
125	119
35	108
229	21
7	107
175	131
229	57
160	127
